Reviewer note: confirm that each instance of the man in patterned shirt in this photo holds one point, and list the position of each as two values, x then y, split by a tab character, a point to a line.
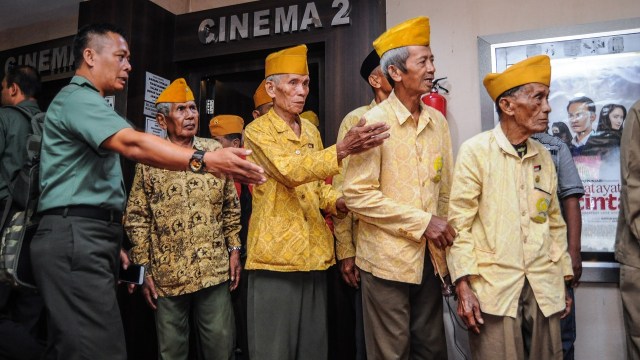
184	228
400	192
510	259
289	243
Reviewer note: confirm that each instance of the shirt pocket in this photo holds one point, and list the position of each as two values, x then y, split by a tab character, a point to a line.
539	200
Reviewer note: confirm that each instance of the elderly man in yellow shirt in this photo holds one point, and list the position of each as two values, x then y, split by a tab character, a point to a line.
510	259
400	192
289	243
346	229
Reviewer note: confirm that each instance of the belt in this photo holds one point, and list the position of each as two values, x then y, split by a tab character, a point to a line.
91	212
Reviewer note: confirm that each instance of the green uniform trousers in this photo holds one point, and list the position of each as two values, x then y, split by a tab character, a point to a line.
75	263
212	315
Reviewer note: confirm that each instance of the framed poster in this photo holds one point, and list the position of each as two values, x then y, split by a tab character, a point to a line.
595	78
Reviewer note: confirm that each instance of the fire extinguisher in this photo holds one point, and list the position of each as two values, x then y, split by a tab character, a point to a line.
434	99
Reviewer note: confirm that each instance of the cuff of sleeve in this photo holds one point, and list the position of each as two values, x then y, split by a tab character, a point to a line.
576	191
418	234
234	242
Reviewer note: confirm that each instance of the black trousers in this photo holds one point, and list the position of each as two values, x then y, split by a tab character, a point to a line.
75	263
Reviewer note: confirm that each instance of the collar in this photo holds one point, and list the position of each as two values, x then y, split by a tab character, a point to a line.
84	82
198	144
575	141
505	145
403	114
372	104
282	127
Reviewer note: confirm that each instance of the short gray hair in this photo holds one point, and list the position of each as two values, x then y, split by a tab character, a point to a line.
396	57
163	108
275	78
507	93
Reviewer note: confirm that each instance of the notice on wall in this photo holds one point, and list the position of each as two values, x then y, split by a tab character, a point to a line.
153	128
150	109
154	85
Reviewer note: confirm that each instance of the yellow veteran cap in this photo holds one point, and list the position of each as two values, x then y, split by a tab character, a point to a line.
226	124
177	92
311	116
536	69
260	97
292	60
415	31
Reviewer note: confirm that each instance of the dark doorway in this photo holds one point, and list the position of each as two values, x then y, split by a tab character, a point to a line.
226	85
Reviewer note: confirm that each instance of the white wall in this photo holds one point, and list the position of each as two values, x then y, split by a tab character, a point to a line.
455	26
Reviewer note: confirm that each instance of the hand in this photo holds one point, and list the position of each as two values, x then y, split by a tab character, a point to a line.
350	272
149	292
362	137
468	306
341	206
227	162
439	232
568	301
576	263
125	262
124	259
234	269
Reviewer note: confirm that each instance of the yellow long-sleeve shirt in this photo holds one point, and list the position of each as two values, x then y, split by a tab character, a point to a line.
346	229
287	231
396	188
506	212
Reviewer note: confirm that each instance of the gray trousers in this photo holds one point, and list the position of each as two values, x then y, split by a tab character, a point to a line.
402	320
287	315
75	264
212	315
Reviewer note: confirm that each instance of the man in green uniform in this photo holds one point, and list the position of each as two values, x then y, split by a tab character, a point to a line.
20	308
75	250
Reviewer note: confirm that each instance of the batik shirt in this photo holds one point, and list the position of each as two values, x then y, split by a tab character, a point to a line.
181	225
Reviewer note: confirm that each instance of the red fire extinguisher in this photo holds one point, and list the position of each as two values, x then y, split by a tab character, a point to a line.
434	99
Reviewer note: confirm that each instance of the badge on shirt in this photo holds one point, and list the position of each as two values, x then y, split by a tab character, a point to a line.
437	167
310	146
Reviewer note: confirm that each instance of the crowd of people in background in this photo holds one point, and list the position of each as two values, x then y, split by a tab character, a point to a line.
237	232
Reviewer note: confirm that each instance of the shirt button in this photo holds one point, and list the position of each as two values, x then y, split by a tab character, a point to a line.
522	187
297	152
302	196
524	213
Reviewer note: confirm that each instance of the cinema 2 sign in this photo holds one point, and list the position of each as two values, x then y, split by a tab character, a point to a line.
279	20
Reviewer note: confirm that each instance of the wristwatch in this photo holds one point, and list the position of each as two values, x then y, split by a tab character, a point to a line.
196	164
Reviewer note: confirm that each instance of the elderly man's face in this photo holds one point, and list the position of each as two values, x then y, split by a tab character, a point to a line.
182	121
420	70
290	93
580	118
530	106
110	62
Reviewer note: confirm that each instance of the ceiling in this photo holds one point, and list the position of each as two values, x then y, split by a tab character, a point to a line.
21	13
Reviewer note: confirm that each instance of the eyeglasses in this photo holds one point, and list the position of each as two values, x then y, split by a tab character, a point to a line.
579	115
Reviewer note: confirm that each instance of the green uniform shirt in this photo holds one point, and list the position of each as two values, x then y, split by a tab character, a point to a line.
14	129
74	169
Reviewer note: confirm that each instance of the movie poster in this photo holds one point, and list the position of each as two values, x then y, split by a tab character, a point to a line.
604	71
